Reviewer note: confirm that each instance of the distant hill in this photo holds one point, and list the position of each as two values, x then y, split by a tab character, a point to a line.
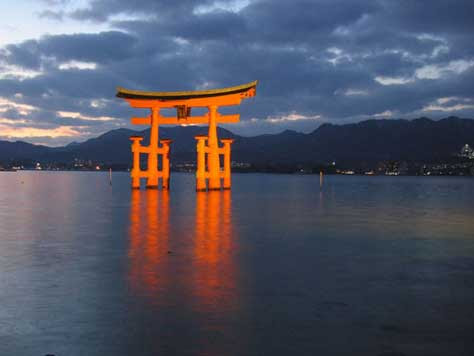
366	141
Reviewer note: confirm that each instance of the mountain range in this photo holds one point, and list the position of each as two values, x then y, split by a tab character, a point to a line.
368	141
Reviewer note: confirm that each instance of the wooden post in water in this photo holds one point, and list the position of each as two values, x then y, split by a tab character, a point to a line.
320	179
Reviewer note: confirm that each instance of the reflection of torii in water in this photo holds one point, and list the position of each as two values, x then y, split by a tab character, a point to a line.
208	149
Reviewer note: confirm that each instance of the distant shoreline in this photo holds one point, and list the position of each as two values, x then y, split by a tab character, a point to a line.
247	172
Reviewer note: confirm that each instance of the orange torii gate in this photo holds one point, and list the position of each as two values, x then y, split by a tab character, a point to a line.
208	149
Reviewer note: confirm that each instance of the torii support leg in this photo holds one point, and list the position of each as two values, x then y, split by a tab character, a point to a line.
227	173
165	184
201	163
135	173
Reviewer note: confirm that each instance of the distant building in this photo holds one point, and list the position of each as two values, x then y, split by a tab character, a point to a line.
467	152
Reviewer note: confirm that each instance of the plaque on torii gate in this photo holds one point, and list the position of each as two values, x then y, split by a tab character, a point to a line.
208	149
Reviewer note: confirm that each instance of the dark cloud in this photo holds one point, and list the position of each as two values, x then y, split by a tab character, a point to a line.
100	48
435	16
25	56
316	60
101	10
52	15
219	25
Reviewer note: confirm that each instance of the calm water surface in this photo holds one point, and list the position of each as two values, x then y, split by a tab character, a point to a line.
367	266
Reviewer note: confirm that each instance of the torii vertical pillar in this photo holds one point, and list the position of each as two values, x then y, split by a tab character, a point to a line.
152	169
213	164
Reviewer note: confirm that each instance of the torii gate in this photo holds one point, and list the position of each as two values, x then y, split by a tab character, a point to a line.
208	149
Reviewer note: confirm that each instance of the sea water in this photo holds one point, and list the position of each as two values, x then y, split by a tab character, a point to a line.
278	266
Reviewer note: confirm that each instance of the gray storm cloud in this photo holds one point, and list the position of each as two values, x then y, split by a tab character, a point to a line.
317	61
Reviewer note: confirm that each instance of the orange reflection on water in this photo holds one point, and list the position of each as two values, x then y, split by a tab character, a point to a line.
215	285
149	229
207	259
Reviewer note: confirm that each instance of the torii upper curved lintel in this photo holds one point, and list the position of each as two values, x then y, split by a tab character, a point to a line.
247	89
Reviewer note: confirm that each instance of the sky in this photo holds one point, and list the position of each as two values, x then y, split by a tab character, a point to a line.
317	61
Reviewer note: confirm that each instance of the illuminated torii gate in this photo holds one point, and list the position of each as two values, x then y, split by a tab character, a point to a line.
208	149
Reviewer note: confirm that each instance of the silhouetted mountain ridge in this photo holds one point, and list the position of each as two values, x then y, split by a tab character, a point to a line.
367	141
